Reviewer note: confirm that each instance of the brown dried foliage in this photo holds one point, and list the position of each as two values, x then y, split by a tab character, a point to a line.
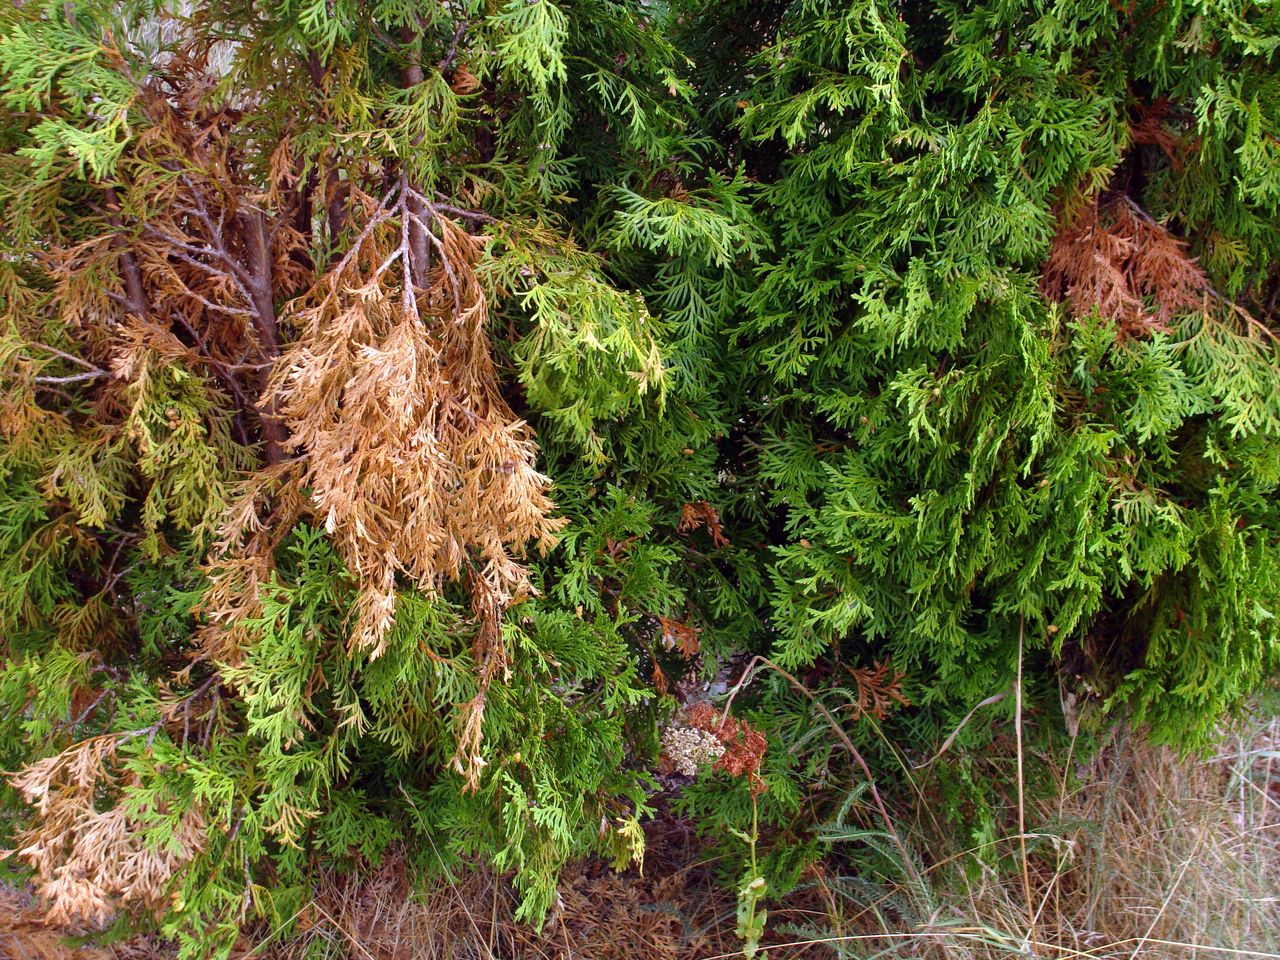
193	255
1149	128
415	463
1112	257
680	636
185	271
702	514
744	745
879	690
387	399
91	858
26	935
411	459
90	863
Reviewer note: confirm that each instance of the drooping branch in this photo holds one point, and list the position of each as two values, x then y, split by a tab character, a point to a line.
415	464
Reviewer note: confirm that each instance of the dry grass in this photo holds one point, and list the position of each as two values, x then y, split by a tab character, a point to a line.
1184	853
1140	855
23	933
674	910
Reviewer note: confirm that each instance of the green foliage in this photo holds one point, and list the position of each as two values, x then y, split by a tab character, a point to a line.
949	456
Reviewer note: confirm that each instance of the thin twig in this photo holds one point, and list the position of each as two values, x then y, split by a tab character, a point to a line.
136	300
451	53
75	378
66	356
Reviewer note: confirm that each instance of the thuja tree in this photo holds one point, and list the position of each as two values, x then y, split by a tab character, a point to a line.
409	405
283	285
1010	384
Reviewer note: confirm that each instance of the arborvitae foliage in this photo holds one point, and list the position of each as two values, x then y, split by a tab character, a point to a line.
1007	378
410	407
1009	382
268	507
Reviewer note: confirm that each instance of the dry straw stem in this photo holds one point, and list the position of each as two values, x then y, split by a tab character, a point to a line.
1022	800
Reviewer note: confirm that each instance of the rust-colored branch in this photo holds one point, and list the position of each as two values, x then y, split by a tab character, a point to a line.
303	212
316	69
135	298
262	296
